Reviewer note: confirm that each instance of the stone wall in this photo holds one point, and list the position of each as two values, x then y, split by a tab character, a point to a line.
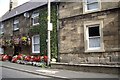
7	35
72	45
24	26
94	58
69	9
8	31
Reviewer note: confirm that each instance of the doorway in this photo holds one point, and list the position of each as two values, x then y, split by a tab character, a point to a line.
17	50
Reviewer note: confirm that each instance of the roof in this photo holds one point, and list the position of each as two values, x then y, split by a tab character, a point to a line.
21	9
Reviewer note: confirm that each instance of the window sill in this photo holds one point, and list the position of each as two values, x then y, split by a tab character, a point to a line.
95	50
16	29
91	11
37	52
36	24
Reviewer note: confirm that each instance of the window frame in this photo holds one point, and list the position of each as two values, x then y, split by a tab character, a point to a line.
88	37
87	24
85	7
1	28
33	51
15	22
35	15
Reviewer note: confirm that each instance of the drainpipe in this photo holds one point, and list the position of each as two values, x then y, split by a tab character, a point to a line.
49	29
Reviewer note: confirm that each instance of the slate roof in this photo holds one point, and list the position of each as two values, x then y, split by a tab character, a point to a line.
21	9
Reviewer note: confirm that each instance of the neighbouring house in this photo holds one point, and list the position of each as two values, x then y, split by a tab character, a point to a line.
24	31
89	36
89	32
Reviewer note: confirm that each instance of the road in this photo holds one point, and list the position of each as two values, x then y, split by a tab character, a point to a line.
10	73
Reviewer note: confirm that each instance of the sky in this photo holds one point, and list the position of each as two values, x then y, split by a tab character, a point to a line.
4	5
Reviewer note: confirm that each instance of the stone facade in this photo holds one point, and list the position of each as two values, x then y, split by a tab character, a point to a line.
24	25
72	34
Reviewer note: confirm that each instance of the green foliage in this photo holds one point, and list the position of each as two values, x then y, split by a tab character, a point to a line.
41	29
54	32
34	30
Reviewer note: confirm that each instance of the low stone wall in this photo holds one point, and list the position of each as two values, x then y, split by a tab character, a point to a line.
109	69
96	58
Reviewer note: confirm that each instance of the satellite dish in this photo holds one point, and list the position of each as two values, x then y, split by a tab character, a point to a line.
26	14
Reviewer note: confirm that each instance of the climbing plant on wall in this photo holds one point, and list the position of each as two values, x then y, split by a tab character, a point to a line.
54	41
41	29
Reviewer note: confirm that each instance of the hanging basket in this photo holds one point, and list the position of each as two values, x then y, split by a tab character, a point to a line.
25	41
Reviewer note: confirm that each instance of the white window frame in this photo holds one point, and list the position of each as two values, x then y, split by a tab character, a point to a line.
1	50
35	15
85	7
33	51
15	22
86	36
1	28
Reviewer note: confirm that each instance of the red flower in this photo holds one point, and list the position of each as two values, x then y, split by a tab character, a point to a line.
10	58
5	57
14	59
32	58
20	56
45	58
27	58
37	59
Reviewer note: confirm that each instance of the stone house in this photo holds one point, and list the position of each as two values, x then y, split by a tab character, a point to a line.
15	25
89	32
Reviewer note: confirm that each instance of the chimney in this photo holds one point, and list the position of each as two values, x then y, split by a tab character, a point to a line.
13	4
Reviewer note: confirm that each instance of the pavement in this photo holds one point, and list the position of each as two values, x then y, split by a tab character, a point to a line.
55	73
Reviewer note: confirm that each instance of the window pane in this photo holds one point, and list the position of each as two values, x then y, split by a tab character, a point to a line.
36	47
36	20
91	1
94	31
15	26
36	40
16	21
92	6
35	15
94	42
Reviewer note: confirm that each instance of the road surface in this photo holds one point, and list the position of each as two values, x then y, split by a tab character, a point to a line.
10	73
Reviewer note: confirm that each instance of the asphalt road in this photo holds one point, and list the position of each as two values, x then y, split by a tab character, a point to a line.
10	73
